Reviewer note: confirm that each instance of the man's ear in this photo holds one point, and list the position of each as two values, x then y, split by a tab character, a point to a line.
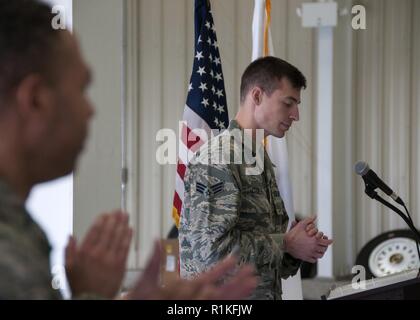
33	98
256	95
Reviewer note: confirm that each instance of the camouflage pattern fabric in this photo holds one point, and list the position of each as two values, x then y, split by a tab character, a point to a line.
226	210
24	261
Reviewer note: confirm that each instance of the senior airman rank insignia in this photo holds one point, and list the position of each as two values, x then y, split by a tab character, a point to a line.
210	190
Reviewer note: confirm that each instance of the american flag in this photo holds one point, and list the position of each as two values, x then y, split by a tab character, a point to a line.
206	101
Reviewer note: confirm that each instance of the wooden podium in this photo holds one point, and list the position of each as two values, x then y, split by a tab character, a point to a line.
401	286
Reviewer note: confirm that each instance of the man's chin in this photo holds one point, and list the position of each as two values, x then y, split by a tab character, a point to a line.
278	134
68	168
51	176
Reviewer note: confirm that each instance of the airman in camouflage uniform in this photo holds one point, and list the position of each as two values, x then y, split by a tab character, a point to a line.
233	206
224	207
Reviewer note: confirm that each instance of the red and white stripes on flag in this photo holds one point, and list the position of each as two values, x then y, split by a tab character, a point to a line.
189	143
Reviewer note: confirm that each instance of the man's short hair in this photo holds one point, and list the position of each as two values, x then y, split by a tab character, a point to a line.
27	42
266	72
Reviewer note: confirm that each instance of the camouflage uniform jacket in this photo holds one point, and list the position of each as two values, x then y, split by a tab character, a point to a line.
226	209
24	252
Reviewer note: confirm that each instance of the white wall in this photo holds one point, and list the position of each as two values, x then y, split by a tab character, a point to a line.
97	180
387	110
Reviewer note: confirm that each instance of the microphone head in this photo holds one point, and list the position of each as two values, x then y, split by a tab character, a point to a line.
361	168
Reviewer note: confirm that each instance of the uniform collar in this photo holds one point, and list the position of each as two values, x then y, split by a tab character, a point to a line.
259	150
234	125
12	207
7	193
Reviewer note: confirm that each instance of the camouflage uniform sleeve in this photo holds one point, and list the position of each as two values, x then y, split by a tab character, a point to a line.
21	278
289	264
210	227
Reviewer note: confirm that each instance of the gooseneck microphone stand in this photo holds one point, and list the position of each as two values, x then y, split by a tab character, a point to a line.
370	191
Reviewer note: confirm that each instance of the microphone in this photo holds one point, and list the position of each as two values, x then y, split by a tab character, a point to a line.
372	180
